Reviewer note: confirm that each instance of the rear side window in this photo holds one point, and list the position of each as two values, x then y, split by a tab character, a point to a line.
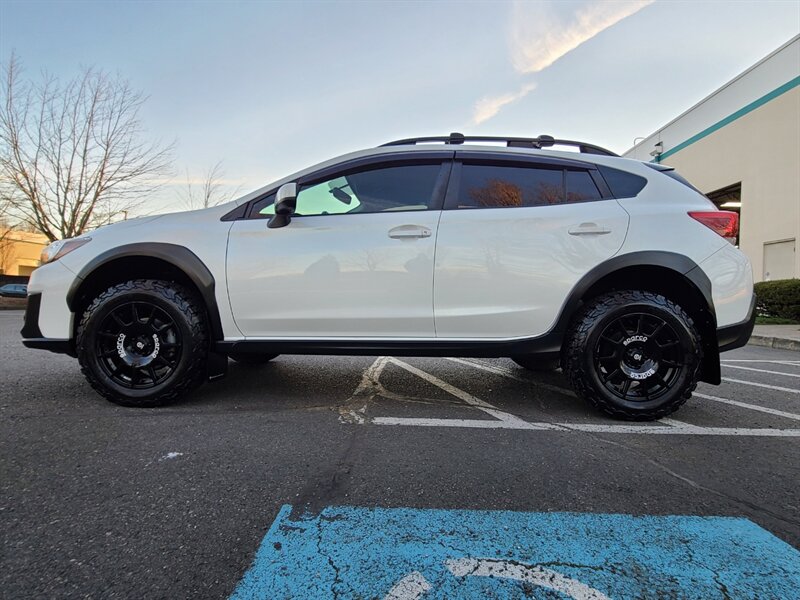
497	186
621	183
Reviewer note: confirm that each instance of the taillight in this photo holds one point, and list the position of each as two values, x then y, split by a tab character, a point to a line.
722	222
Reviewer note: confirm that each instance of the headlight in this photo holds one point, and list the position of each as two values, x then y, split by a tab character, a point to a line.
61	247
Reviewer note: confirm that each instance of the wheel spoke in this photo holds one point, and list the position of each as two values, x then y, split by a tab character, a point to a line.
164	360
625	387
658	329
135	313
667	345
670	363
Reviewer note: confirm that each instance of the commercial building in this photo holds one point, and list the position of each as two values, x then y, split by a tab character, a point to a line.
20	252
741	147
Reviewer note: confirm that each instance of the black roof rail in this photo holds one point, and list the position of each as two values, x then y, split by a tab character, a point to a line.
542	141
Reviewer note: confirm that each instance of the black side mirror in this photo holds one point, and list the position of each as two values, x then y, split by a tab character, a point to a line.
285	205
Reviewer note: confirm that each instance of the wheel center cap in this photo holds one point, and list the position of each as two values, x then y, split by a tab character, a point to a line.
138	351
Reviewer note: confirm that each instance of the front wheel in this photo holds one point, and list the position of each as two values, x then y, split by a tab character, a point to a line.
634	355
143	343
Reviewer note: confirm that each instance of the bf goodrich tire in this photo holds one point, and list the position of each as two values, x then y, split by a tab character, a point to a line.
633	355
252	359
143	343
534	363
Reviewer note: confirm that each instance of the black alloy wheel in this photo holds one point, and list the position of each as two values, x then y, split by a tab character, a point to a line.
638	357
138	345
143	342
632	354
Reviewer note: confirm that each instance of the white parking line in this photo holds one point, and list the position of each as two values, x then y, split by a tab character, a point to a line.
504	420
510	374
794	363
763	385
515	422
761	370
764	409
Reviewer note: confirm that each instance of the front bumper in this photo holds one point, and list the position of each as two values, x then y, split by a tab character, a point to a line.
32	335
735	336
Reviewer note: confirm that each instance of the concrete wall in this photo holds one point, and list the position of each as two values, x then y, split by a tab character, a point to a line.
747	132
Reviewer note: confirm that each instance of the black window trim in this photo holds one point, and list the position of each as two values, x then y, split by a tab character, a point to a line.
518	160
244	212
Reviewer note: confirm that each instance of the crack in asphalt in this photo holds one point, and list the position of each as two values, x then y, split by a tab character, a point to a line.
694	484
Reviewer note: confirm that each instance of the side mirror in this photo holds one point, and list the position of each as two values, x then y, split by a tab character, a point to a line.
285	205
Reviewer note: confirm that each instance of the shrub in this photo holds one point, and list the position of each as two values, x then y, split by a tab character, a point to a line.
779	298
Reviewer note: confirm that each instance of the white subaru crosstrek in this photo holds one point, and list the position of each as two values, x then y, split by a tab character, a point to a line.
620	271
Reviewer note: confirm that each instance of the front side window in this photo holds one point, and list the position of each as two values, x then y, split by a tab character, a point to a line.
398	188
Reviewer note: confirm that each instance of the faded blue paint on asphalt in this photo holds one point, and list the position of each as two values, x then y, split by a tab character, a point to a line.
350	552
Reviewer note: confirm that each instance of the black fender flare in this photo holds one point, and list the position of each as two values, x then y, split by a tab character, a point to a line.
680	264
178	256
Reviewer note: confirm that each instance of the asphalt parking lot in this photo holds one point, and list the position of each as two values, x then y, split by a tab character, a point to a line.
326	477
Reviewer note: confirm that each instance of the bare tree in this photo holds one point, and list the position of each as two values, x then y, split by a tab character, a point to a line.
211	190
72	156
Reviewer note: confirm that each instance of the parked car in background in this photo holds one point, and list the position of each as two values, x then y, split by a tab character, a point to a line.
618	270
14	290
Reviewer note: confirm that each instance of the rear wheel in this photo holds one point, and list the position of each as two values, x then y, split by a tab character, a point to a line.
634	355
143	343
252	359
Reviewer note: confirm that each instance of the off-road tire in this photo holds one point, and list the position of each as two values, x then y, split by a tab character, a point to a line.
175	302
251	359
534	363
581	363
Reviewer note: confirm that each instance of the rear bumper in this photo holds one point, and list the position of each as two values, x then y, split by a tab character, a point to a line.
735	336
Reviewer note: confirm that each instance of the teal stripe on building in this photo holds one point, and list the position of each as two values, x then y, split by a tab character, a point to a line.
789	85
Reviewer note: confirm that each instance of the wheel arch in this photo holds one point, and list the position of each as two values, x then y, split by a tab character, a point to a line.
672	275
147	260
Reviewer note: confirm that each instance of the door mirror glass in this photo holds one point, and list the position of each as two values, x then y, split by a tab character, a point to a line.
285	205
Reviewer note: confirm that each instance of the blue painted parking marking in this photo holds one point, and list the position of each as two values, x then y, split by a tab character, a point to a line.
402	553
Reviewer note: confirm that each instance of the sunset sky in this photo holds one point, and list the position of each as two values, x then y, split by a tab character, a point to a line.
269	87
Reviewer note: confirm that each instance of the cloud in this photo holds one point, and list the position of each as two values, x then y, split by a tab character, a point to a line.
542	33
487	107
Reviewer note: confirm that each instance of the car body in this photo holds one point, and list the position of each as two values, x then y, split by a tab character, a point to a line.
414	248
14	290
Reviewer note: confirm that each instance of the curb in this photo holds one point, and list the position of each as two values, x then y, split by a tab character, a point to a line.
774	342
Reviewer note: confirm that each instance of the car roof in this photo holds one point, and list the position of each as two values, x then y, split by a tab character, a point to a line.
411	145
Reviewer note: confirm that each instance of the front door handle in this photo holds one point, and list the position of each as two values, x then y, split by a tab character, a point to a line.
588	229
406	232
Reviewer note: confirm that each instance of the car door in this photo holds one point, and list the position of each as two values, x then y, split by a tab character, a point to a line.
515	236
356	260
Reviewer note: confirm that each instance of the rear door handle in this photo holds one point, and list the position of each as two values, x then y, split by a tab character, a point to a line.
406	232
588	229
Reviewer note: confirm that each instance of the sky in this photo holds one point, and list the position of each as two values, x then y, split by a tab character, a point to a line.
268	88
